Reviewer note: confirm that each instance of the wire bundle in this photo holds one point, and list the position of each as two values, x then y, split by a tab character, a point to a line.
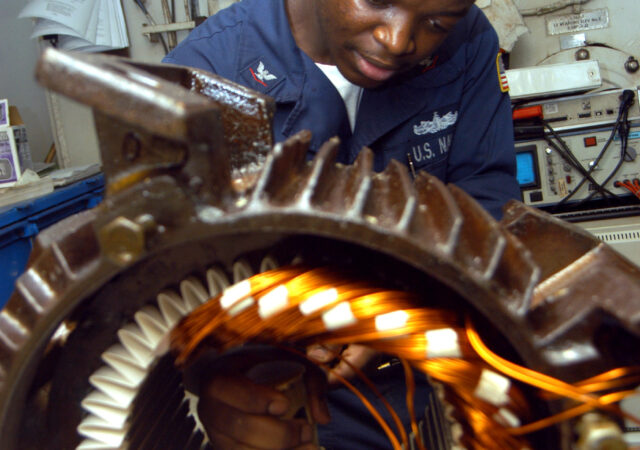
621	128
295	306
632	186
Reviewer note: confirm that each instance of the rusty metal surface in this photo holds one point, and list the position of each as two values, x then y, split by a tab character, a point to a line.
174	206
587	295
153	119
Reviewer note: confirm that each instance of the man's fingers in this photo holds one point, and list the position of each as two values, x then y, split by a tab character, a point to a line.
353	355
241	406
323	353
252	430
219	440
358	356
244	395
308	446
316	386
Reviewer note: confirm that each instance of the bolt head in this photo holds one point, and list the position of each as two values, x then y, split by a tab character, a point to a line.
632	65
582	54
122	240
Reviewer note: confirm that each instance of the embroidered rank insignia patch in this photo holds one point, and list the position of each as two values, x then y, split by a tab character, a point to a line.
429	63
261	74
502	74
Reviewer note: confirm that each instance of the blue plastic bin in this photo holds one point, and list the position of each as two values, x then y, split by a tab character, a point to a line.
21	222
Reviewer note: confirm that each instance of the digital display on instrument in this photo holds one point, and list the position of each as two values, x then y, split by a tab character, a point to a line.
527	172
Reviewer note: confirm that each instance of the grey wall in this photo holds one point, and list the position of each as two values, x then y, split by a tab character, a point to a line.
18	54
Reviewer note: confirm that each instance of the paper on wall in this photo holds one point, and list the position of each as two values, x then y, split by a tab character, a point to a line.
73	14
86	25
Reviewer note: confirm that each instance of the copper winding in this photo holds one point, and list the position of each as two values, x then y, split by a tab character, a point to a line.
298	306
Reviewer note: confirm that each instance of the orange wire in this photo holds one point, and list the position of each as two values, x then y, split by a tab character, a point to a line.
376	392
224	327
385	426
631	186
527	375
536	378
411	390
569	413
370	385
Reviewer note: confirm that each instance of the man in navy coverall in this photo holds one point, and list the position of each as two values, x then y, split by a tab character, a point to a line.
414	80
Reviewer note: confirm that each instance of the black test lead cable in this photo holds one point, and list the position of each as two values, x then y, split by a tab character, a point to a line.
623	131
625	103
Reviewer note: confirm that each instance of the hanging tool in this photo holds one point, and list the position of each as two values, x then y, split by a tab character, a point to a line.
152	22
167	12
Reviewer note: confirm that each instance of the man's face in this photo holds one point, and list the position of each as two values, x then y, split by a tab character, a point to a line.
371	41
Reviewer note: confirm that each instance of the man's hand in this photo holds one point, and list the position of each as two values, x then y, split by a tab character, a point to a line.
238	413
358	356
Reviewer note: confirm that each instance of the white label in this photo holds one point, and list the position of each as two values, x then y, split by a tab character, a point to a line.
273	302
443	343
493	388
506	418
339	316
318	301
562	187
233	294
391	321
550	108
240	306
570	23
